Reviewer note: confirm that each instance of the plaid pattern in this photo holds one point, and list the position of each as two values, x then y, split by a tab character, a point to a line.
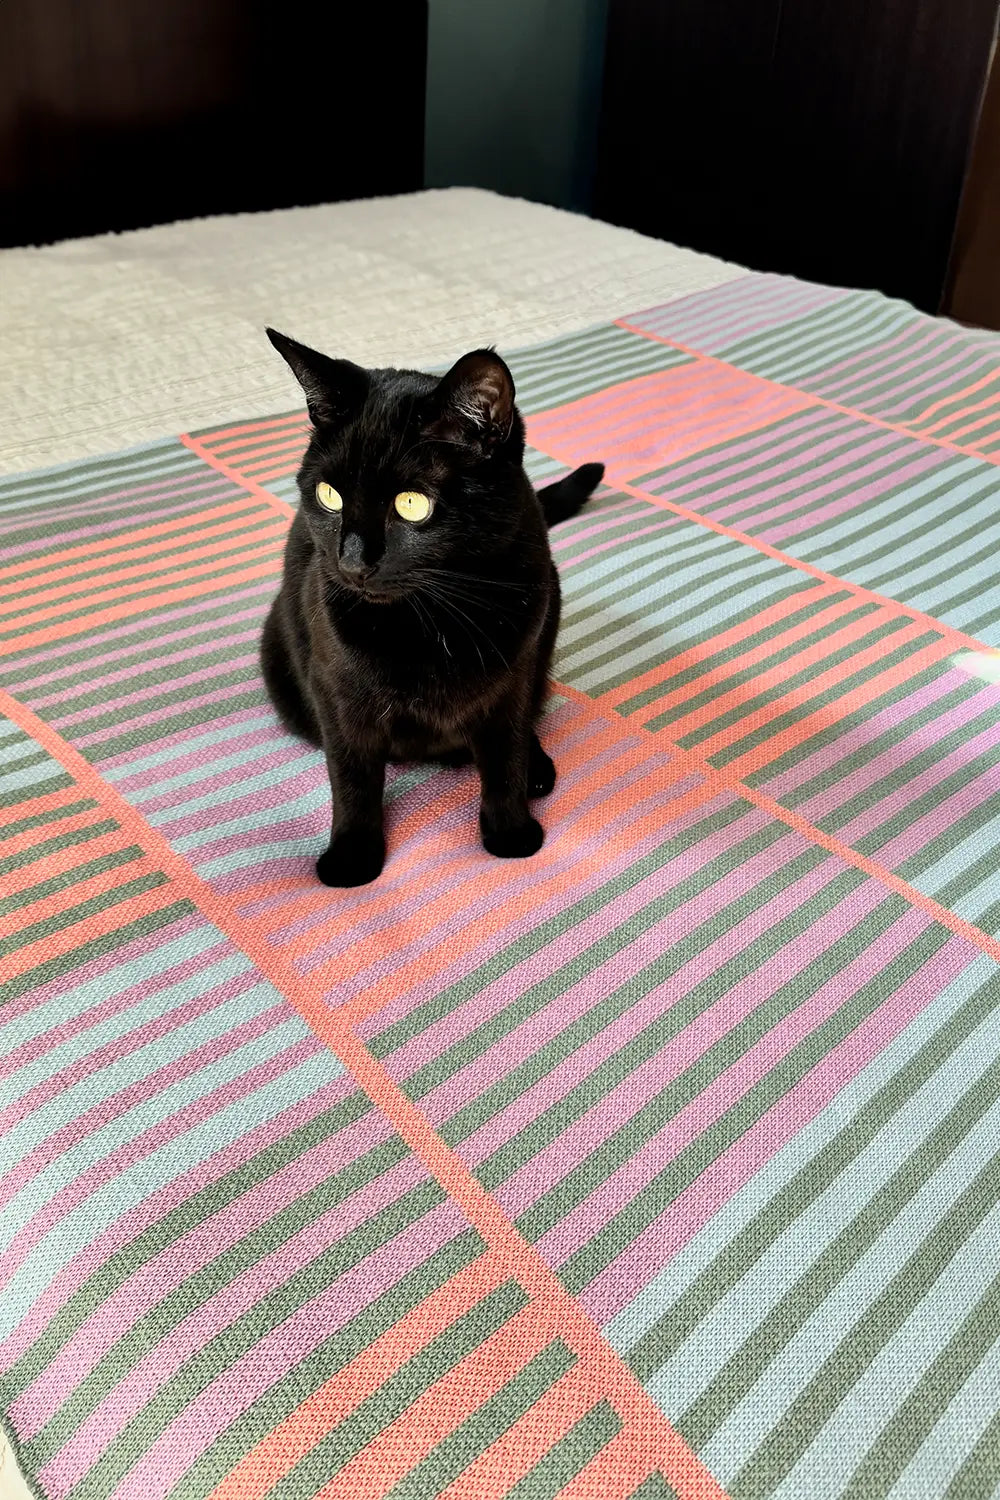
662	1165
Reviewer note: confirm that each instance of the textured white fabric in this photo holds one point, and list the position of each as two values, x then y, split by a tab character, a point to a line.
114	340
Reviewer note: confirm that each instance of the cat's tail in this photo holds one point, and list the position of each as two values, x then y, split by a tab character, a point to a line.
564	498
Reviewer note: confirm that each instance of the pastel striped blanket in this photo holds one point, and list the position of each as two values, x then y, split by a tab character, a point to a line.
664	1164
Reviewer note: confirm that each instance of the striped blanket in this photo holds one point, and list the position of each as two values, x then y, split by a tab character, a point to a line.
665	1164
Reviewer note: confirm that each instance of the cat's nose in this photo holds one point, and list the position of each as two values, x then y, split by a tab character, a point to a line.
355	571
352	563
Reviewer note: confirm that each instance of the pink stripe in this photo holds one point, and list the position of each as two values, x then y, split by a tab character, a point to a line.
501	929
822	760
823	803
183	736
129	998
937	820
755	492
617	515
734	1083
618	543
157	1278
635	1266
201	700
126	506
912	338
815	426
577	1067
258	589
152	1209
853	500
128	1155
451	1028
537	1030
279	1351
35	999
180	765
291	753
612	1112
143	694
166	659
782	457
153	1084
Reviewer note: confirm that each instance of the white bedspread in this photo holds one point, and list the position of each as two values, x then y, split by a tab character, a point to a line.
121	338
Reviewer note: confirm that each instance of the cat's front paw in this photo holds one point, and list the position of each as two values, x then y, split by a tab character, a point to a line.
541	771
353	858
512	842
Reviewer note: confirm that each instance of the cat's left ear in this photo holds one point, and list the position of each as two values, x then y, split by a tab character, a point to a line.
335	388
474	403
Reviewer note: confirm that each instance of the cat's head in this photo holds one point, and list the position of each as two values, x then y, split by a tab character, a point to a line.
408	475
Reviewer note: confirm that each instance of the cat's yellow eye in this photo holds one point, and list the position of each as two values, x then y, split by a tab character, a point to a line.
328	497
412	506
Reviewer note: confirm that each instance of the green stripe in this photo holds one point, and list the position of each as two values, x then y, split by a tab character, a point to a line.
629	993
813	601
935	795
751	674
177	1222
927	1402
839	728
784	1446
142	733
392	1398
797	683
222	1351
158	677
31	754
570	1455
19	795
836	1260
828	699
541	994
53	815
495	1417
63	919
592	1258
737	1259
69	878
331	1356
424	1015
978	1477
515	1153
73	836
654	1488
168	697
64	964
153	1326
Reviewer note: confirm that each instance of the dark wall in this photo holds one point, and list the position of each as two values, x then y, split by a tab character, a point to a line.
119	113
513	93
825	138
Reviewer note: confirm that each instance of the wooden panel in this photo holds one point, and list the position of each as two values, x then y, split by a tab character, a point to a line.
825	138
117	113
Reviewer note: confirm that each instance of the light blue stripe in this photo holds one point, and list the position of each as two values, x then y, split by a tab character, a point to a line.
635	1320
38	1021
189	746
952	1439
826	1467
984	838
202	772
127	1190
766	1404
240	787
99	1144
125	1072
297	806
843	538
106	480
113	1028
29	776
745	1307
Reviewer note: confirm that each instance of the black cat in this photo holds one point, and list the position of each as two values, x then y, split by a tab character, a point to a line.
419	603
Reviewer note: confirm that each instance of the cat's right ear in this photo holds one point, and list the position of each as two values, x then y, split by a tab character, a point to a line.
334	388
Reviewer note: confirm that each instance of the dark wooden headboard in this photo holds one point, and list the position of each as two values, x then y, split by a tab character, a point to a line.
121	113
828	139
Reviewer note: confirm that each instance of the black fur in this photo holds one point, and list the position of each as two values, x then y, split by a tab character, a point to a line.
391	640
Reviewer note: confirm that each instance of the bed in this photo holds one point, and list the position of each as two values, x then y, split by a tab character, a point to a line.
664	1166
